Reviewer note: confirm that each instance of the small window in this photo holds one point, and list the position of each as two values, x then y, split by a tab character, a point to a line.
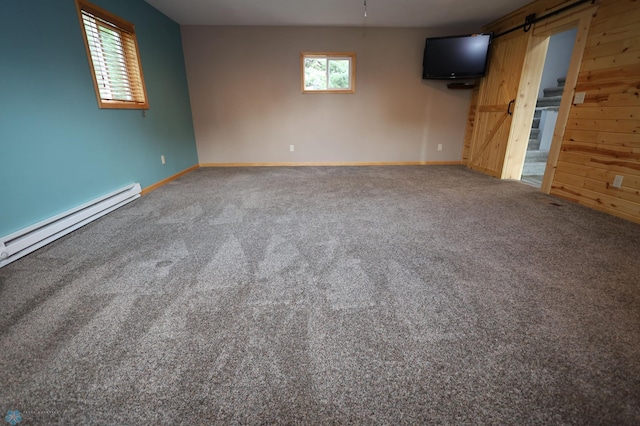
114	59
328	72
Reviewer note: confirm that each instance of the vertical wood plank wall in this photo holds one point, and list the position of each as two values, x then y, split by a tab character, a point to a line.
468	135
517	17
498	104
602	136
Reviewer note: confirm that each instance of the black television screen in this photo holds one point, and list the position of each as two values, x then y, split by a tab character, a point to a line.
456	57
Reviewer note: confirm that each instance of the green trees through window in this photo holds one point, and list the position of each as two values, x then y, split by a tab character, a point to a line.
333	73
319	76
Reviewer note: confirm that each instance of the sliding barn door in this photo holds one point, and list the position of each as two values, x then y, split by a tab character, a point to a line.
496	103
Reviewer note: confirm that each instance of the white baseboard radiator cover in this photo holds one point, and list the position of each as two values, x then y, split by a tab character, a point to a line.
27	240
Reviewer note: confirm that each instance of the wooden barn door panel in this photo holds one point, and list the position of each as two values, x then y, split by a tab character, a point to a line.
498	92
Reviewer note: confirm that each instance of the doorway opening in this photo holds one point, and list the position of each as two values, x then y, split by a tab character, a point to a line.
552	85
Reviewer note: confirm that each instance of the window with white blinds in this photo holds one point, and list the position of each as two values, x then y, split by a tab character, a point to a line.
112	50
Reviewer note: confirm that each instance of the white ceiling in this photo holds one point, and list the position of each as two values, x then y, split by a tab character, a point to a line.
380	13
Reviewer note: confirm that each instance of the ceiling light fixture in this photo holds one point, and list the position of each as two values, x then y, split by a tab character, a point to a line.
365	8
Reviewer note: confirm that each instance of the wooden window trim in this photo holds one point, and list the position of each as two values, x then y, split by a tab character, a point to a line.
131	54
329	55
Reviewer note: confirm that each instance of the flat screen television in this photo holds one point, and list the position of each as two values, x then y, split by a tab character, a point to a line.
454	57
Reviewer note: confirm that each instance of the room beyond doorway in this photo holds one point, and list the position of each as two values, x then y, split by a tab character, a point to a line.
546	113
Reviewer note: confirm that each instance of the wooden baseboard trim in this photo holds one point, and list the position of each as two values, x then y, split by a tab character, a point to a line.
336	164
157	185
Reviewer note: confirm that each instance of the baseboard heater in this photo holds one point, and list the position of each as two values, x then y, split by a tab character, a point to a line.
27	240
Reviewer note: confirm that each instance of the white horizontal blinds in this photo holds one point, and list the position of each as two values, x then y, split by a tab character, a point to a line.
115	60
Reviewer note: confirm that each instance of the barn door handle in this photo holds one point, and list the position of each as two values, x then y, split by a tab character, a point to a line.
513	101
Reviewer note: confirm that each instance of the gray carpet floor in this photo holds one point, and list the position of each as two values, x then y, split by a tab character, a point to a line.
364	295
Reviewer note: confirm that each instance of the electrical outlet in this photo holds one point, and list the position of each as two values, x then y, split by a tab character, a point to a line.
617	182
291	148
439	147
162	159
579	98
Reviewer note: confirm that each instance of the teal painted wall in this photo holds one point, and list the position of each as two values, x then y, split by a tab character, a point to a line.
57	148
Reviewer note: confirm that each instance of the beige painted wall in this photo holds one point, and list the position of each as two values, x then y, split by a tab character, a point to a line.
244	84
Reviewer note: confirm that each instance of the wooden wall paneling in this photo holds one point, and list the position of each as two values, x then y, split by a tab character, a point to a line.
611	99
604	77
620	166
517	17
602	36
619	153
564	21
617	7
610	61
488	156
599	139
613	126
596	200
612	151
468	135
619	86
492	124
622	194
617	47
586	111
525	107
618	14
581	18
530	83
622	139
599	174
471	142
